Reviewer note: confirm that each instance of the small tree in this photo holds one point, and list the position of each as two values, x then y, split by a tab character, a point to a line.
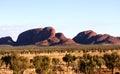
86	64
6	60
68	58
111	61
82	65
42	64
55	61
99	62
17	64
1	63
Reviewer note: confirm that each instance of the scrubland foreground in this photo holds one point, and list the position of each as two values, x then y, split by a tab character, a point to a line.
83	59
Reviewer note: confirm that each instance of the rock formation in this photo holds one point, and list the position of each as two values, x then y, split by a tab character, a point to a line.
90	37
6	41
47	36
42	36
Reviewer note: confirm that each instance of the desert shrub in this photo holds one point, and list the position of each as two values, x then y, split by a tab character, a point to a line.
112	61
87	64
68	58
42	64
6	60
16	63
55	61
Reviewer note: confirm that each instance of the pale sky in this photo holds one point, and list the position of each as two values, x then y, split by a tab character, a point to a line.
67	16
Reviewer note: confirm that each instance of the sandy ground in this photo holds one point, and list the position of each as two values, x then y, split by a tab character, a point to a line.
56	55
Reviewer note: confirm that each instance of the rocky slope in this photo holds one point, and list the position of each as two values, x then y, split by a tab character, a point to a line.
43	36
47	36
90	37
6	41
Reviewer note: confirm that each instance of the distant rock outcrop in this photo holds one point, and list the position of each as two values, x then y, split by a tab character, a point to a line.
63	39
28	37
90	37
85	37
47	37
6	41
42	36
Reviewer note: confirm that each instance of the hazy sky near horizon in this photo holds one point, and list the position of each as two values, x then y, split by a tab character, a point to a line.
67	16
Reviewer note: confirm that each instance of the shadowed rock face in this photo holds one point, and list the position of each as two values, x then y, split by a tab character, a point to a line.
90	37
28	37
42	36
35	35
47	36
46	33
60	36
64	40
85	37
6	41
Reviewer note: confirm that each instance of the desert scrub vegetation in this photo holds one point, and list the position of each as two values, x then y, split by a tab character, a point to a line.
84	59
68	58
85	64
16	63
61	49
41	64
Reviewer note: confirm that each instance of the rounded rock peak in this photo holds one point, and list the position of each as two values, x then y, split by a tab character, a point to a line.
91	32
50	30
6	40
60	36
87	34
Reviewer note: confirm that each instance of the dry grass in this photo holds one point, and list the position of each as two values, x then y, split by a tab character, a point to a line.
56	52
